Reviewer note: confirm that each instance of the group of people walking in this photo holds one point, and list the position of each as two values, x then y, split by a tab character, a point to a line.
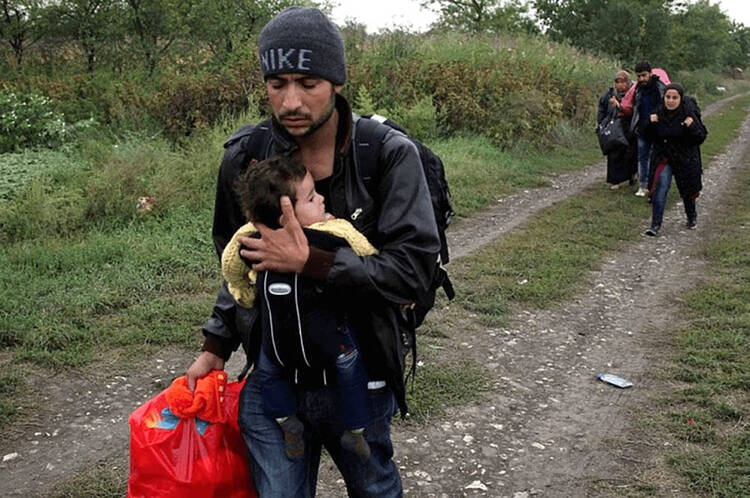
664	131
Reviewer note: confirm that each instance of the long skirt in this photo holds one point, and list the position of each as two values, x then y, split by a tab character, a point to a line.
622	163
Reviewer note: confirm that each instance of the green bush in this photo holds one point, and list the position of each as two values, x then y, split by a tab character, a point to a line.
197	101
28	120
505	88
701	82
420	119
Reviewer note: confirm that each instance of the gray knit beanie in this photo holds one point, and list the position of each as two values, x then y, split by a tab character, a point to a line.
302	40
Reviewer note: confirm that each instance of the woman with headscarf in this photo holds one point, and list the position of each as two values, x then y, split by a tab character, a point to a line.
622	163
677	133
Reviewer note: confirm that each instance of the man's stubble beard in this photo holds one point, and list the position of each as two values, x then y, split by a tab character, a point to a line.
316	125
323	119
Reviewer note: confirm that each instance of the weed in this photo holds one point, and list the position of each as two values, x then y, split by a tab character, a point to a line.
441	385
103	480
11	384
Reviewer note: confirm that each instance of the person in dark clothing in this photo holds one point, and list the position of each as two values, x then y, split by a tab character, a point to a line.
622	163
648	95
676	132
301	55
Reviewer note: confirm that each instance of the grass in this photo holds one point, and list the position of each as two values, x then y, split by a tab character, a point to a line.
103	480
143	282
11	386
712	364
19	168
440	385
547	260
479	173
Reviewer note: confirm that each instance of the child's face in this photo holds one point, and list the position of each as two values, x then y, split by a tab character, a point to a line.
309	207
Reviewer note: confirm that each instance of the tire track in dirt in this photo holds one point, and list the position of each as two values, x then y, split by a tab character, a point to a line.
548	427
82	418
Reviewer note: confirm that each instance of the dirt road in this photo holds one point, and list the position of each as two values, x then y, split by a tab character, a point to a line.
547	427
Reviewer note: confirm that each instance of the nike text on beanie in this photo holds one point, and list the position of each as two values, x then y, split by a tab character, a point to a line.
302	40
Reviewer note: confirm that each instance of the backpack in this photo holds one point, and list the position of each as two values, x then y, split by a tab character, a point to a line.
369	135
693	104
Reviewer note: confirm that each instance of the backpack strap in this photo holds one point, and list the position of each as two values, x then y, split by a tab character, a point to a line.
369	135
257	141
260	140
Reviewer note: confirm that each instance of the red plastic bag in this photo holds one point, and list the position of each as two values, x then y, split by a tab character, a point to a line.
182	458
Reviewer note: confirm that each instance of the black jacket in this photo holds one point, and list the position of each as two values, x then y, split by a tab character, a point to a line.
679	146
399	222
647	99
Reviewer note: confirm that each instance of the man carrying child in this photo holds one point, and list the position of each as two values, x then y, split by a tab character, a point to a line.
303	64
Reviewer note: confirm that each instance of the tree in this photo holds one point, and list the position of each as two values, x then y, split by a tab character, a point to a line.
220	24
703	37
92	24
484	15
156	28
18	25
627	29
739	55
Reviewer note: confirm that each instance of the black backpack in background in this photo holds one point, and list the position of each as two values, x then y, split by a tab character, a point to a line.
692	104
369	135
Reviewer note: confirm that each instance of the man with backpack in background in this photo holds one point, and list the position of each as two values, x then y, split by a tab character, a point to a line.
303	64
648	94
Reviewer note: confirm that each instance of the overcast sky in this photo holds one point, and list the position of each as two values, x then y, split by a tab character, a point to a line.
407	13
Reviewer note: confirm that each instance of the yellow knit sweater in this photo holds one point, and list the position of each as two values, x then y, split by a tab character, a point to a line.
241	278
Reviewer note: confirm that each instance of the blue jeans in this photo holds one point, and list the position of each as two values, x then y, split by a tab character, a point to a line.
644	158
351	387
275	475
659	198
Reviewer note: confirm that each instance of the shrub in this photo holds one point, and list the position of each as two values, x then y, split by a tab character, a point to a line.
700	83
196	101
505	88
28	120
420	120
363	103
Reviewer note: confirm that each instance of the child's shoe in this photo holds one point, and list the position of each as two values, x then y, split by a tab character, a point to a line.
354	441
294	443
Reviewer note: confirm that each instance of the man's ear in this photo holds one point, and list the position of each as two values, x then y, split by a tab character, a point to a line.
338	88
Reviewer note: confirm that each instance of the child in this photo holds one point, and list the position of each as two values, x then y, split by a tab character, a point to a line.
304	325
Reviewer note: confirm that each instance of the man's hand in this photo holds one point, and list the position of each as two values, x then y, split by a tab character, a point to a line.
654	118
284	250
688	121
201	367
